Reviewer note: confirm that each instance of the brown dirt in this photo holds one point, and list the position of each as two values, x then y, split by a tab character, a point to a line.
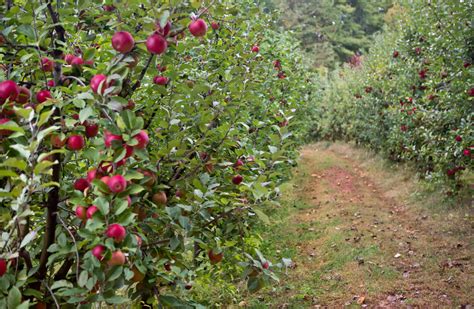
367	242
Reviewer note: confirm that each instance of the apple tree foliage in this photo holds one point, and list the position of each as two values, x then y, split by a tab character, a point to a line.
412	97
125	170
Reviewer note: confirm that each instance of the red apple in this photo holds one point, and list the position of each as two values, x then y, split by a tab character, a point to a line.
123	42
69	58
43	95
458	138
156	44
8	90
81	212
128	151
92	174
255	49
50	83
142	139
160	198
56	141
24	95
237	179
81	184
75	142
77	62
238	163
117	259
116	231
98	252
129	200
92	129
395	54
5	132
108	8
47	64
90	211
109	138
117	184
470	92
215	25
467	152
198	27
265	264
166	29
3	267
160	80
215	256
97	81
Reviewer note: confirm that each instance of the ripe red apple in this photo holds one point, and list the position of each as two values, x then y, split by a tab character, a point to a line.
404	128
81	212
214	256
98	252
92	129
209	167
116	231
105	180
255	49
160	80
470	92
91	211
142	139
395	54
77	62
117	184
467	152
108	8
151	177
75	142
123	42
50	83
69	58
160	198
24	95
265	264
237	179
109	138
91	175
215	25
43	95
3	267
97	81
128	151
8	90
117	259
198	27
238	163
166	29
458	138
56	141
47	64
81	184
156	44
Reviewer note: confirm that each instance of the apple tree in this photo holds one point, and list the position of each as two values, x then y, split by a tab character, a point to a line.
140	143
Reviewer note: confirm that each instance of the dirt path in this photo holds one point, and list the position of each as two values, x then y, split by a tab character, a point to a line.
359	237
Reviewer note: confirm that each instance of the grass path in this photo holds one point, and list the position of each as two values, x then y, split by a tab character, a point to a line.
361	236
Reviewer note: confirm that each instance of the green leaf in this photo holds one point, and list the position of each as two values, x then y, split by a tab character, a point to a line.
85	113
61	284
44	117
83	278
261	215
115	300
14	298
15	163
7	173
28	238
